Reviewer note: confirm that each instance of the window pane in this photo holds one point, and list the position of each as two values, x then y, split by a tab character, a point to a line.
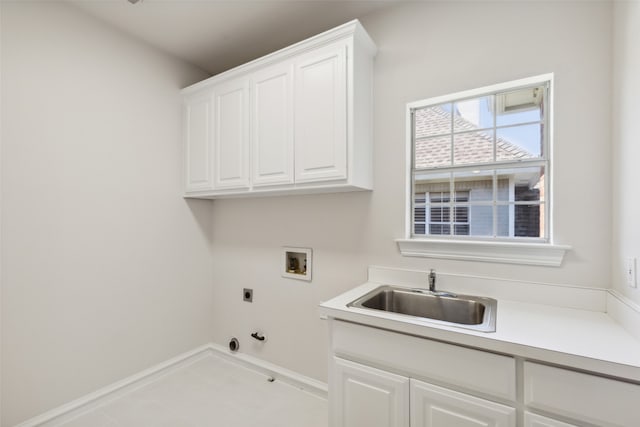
477	185
473	211
503	223
439	197
461	196
519	142
527	193
504	189
520	106
419	213
434	120
473	147
527	222
461	214
481	220
461	229
521	184
439	229
432	179
472	114
432	152
439	213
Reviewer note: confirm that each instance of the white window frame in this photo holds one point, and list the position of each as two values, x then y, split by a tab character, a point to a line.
532	252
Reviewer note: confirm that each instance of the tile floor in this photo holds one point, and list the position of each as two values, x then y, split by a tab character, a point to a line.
210	392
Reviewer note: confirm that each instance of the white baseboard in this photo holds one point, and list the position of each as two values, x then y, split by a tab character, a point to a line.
292	378
77	407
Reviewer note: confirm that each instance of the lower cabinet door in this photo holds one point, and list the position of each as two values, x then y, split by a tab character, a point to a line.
362	396
433	406
534	420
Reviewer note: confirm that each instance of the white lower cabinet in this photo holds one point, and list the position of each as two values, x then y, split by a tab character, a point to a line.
363	396
433	406
584	397
534	420
475	388
368	397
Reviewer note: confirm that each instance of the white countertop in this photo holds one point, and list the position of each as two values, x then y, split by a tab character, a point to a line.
580	339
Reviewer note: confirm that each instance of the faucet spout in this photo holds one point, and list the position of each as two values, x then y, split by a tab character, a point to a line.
432	280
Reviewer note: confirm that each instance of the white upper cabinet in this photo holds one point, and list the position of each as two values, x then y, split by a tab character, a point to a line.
272	125
321	114
293	122
198	160
231	140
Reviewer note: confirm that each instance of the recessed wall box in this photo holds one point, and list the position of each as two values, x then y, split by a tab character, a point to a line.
296	263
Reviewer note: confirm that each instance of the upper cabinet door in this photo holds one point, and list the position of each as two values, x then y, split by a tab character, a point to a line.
321	114
198	150
231	138
272	125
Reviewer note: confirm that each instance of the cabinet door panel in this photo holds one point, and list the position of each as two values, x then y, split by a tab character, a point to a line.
197	140
533	420
366	396
272	128
580	396
321	115
231	135
444	363
433	406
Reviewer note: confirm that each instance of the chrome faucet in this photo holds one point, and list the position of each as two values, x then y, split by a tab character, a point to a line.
432	287
432	280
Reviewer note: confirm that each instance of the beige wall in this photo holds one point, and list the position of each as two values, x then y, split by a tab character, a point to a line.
106	270
626	142
425	49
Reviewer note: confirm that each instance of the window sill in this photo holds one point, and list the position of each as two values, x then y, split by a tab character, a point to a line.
485	251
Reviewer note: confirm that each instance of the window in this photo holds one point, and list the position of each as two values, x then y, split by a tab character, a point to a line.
439	220
488	148
479	176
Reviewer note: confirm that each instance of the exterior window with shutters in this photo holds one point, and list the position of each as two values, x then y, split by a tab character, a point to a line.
479	174
433	212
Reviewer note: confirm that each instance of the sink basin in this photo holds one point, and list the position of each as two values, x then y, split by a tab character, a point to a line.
465	311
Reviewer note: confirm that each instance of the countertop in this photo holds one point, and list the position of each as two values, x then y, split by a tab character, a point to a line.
575	338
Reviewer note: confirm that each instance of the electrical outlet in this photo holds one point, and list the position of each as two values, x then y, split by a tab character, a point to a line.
630	272
247	295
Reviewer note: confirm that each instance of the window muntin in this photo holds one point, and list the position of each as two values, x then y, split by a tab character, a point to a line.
493	148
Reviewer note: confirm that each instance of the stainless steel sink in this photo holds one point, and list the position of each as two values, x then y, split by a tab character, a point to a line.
464	311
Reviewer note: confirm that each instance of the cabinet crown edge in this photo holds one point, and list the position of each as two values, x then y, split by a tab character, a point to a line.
350	29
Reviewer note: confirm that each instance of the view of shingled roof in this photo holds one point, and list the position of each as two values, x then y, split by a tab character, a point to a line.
469	147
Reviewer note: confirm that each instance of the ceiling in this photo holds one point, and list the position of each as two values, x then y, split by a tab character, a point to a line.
217	35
